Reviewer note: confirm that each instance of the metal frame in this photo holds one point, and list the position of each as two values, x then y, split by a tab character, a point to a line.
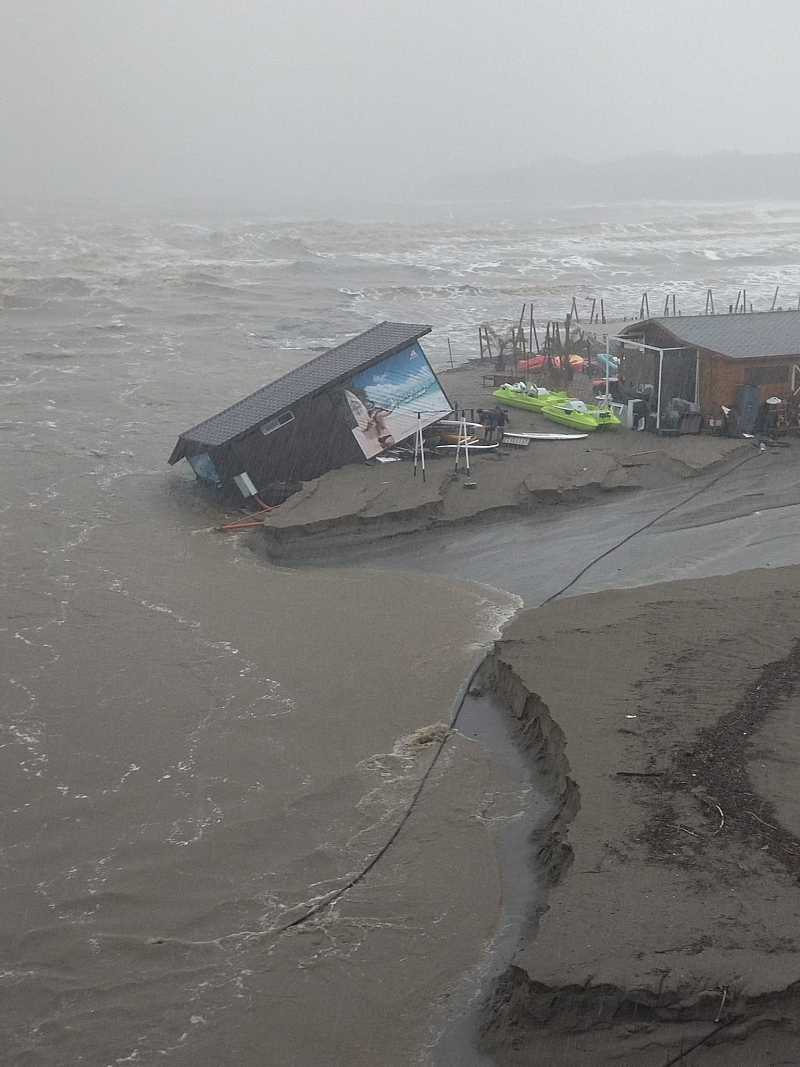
652	348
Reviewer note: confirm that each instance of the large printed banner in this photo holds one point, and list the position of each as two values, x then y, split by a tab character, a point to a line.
385	403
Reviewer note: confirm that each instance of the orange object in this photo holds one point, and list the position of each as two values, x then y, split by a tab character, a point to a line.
236	526
537	362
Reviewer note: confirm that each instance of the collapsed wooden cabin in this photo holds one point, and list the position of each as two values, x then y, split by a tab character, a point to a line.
348	404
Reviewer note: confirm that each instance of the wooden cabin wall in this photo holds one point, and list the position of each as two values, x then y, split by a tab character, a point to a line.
721	378
774	378
316	441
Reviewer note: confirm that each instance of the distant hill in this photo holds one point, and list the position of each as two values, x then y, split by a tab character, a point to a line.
652	176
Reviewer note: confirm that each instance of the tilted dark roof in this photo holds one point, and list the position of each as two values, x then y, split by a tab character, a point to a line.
763	333
324	370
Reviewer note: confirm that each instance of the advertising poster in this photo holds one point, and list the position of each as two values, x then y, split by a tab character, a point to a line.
381	404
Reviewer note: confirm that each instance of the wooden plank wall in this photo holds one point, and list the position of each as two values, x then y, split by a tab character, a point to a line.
719	381
315	442
720	378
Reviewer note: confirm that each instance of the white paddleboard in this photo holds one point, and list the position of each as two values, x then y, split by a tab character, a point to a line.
447	424
477	447
552	436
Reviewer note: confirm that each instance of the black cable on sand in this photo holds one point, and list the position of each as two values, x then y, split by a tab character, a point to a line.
685	1052
647	525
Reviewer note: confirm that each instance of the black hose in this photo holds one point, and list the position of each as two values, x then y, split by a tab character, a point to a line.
647	525
702	1041
359	875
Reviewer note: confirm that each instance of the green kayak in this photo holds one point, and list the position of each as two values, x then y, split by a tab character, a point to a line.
518	396
579	415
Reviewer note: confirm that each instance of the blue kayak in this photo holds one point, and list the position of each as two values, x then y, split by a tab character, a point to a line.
608	362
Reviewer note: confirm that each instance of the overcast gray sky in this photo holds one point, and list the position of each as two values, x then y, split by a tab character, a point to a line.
151	98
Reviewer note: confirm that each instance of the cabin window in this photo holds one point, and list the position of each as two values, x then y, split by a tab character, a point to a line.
276	423
203	466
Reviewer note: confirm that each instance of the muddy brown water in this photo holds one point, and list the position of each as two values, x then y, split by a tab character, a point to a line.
196	748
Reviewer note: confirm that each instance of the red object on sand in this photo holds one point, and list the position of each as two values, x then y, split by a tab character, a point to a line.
537	362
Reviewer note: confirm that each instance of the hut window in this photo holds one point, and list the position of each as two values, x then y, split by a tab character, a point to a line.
277	422
203	466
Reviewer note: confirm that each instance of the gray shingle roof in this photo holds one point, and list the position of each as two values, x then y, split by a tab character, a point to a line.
336	364
766	333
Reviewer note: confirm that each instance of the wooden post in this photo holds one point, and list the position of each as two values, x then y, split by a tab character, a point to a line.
736	305
591	313
744	300
450	350
603	310
775	298
666	305
673	305
573	311
480	340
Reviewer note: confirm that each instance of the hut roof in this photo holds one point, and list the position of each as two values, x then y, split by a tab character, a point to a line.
765	333
324	370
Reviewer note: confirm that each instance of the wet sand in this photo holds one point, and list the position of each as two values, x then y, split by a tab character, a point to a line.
663	722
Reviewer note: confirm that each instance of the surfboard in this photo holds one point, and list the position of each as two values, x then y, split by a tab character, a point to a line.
360	413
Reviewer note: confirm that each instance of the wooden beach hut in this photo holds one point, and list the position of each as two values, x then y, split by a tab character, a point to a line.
347	404
734	360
